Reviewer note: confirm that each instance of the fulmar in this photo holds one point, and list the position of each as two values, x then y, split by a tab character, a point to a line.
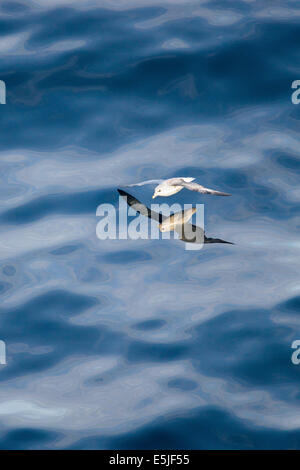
174	185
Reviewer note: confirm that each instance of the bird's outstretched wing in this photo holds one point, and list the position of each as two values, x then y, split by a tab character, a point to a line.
216	240
143	183
191	233
141	208
200	189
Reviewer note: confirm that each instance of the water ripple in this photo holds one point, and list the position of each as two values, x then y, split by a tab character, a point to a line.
130	343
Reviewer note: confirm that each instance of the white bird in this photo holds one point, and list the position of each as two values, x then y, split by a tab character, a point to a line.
174	185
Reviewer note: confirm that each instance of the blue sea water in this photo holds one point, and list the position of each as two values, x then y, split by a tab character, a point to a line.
142	344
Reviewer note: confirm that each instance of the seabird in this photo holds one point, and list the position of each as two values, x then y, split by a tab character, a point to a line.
174	185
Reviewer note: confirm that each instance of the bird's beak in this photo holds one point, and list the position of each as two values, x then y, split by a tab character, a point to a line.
154	196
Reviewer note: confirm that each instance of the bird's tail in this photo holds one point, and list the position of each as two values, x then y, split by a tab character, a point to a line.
220	193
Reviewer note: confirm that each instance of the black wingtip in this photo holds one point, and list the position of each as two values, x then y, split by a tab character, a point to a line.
217	240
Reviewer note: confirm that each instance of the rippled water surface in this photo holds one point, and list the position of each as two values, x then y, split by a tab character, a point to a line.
141	343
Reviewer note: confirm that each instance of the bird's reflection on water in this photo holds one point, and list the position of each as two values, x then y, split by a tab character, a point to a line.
187	232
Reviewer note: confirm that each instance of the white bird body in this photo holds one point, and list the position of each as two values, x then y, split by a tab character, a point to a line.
169	187
174	185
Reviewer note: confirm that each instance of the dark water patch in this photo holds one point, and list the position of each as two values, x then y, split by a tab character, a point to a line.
14	7
290	162
77	203
291	305
9	270
4	287
154	324
130	256
139	351
220	79
26	439
246	345
206	428
182	384
44	322
64	250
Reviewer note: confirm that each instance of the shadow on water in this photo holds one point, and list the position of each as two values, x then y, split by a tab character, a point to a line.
188	233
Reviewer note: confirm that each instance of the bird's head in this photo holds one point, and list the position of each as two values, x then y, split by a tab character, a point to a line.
157	192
